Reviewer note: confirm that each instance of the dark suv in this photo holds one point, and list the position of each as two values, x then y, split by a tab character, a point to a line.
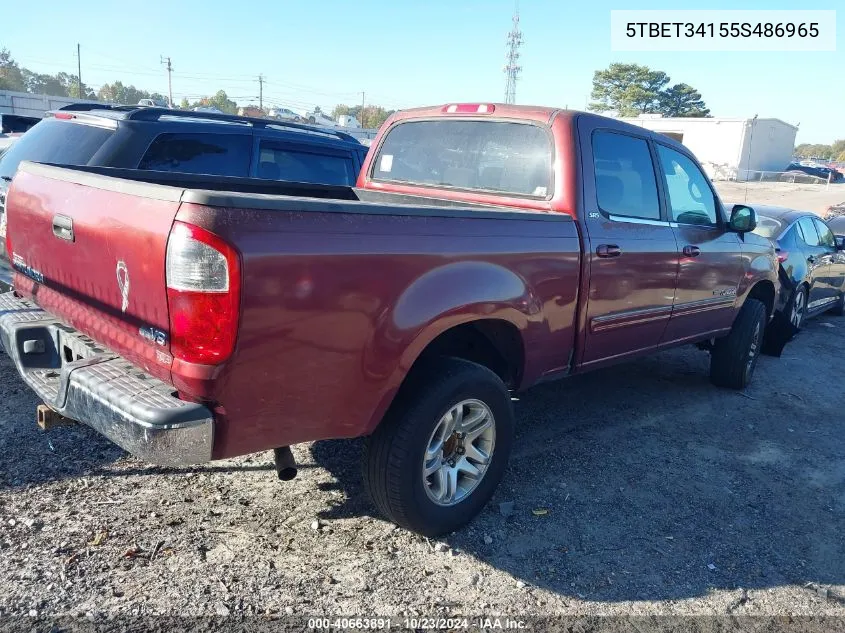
160	139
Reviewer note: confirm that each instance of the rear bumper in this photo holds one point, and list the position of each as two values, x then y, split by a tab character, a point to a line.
137	412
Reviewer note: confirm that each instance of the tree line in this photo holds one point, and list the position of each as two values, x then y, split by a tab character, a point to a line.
834	151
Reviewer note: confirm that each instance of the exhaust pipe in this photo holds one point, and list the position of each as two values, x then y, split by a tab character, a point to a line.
285	463
48	419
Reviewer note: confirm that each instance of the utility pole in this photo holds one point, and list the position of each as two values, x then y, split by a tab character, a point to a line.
363	100
166	60
512	67
261	92
78	71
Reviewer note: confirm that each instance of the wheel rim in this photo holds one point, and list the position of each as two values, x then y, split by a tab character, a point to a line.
797	315
753	350
459	452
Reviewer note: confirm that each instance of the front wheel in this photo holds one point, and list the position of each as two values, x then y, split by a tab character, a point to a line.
734	356
441	451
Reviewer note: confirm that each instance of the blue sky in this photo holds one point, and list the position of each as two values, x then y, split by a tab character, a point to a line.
403	53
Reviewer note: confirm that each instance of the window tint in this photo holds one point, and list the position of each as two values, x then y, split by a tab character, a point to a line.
825	234
690	199
55	141
808	231
495	156
278	162
218	154
625	182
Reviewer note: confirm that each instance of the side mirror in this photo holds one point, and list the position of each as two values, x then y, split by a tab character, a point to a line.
840	242
743	219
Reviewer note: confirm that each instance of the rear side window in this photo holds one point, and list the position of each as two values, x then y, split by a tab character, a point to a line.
494	156
825	234
625	182
808	231
197	153
276	161
55	141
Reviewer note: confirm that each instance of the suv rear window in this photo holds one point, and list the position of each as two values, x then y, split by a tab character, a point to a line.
278	161
197	153
495	156
55	141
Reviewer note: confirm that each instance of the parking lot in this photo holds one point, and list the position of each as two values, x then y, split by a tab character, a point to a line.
639	489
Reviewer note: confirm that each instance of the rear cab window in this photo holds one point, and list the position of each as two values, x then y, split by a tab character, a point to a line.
55	141
199	153
512	158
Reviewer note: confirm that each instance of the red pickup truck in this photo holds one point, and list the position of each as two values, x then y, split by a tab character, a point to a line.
487	248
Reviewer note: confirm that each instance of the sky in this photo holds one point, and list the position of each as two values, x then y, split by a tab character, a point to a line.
402	54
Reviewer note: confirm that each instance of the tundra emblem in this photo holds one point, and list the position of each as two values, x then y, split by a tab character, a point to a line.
123	284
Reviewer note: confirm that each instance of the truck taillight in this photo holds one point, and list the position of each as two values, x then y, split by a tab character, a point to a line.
203	294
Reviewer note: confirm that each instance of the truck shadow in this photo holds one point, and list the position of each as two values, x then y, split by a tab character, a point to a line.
644	482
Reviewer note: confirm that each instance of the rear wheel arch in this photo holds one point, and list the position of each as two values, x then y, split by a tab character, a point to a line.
495	343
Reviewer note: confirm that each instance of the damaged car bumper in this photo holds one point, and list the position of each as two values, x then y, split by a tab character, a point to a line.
84	382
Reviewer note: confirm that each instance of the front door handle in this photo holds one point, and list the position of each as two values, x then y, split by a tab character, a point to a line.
63	227
691	251
608	250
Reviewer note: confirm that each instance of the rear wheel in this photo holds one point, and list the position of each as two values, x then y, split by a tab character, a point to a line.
797	308
734	357
439	454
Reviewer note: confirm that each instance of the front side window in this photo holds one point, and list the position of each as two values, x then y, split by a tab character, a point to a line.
198	153
494	156
691	200
279	162
625	182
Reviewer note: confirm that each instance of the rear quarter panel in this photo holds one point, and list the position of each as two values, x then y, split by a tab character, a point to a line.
337	306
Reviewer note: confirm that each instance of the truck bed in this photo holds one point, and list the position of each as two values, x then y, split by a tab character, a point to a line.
340	289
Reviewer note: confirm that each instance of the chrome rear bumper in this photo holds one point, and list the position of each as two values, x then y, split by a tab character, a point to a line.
87	383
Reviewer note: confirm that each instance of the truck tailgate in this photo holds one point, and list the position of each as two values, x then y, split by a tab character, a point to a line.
92	253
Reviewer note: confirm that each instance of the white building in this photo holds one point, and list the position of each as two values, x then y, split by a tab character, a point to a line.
730	149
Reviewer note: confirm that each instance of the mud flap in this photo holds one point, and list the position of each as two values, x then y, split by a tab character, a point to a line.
779	332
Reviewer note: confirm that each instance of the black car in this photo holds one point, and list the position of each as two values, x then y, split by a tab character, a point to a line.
160	139
837	225
812	265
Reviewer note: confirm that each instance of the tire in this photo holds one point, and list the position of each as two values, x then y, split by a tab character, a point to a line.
839	308
735	356
395	454
798	301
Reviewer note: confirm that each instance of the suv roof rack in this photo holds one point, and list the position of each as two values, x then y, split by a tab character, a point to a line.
155	113
148	113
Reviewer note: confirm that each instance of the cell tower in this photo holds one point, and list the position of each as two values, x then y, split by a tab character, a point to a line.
512	68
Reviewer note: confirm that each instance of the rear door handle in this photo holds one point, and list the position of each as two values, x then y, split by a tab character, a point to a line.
608	250
692	251
63	227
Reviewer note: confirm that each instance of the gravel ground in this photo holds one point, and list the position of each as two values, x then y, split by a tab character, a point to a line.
639	489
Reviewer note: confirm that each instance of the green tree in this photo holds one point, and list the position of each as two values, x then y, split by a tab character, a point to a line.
11	76
838	147
631	89
682	100
627	89
184	104
840	158
341	110
43	84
